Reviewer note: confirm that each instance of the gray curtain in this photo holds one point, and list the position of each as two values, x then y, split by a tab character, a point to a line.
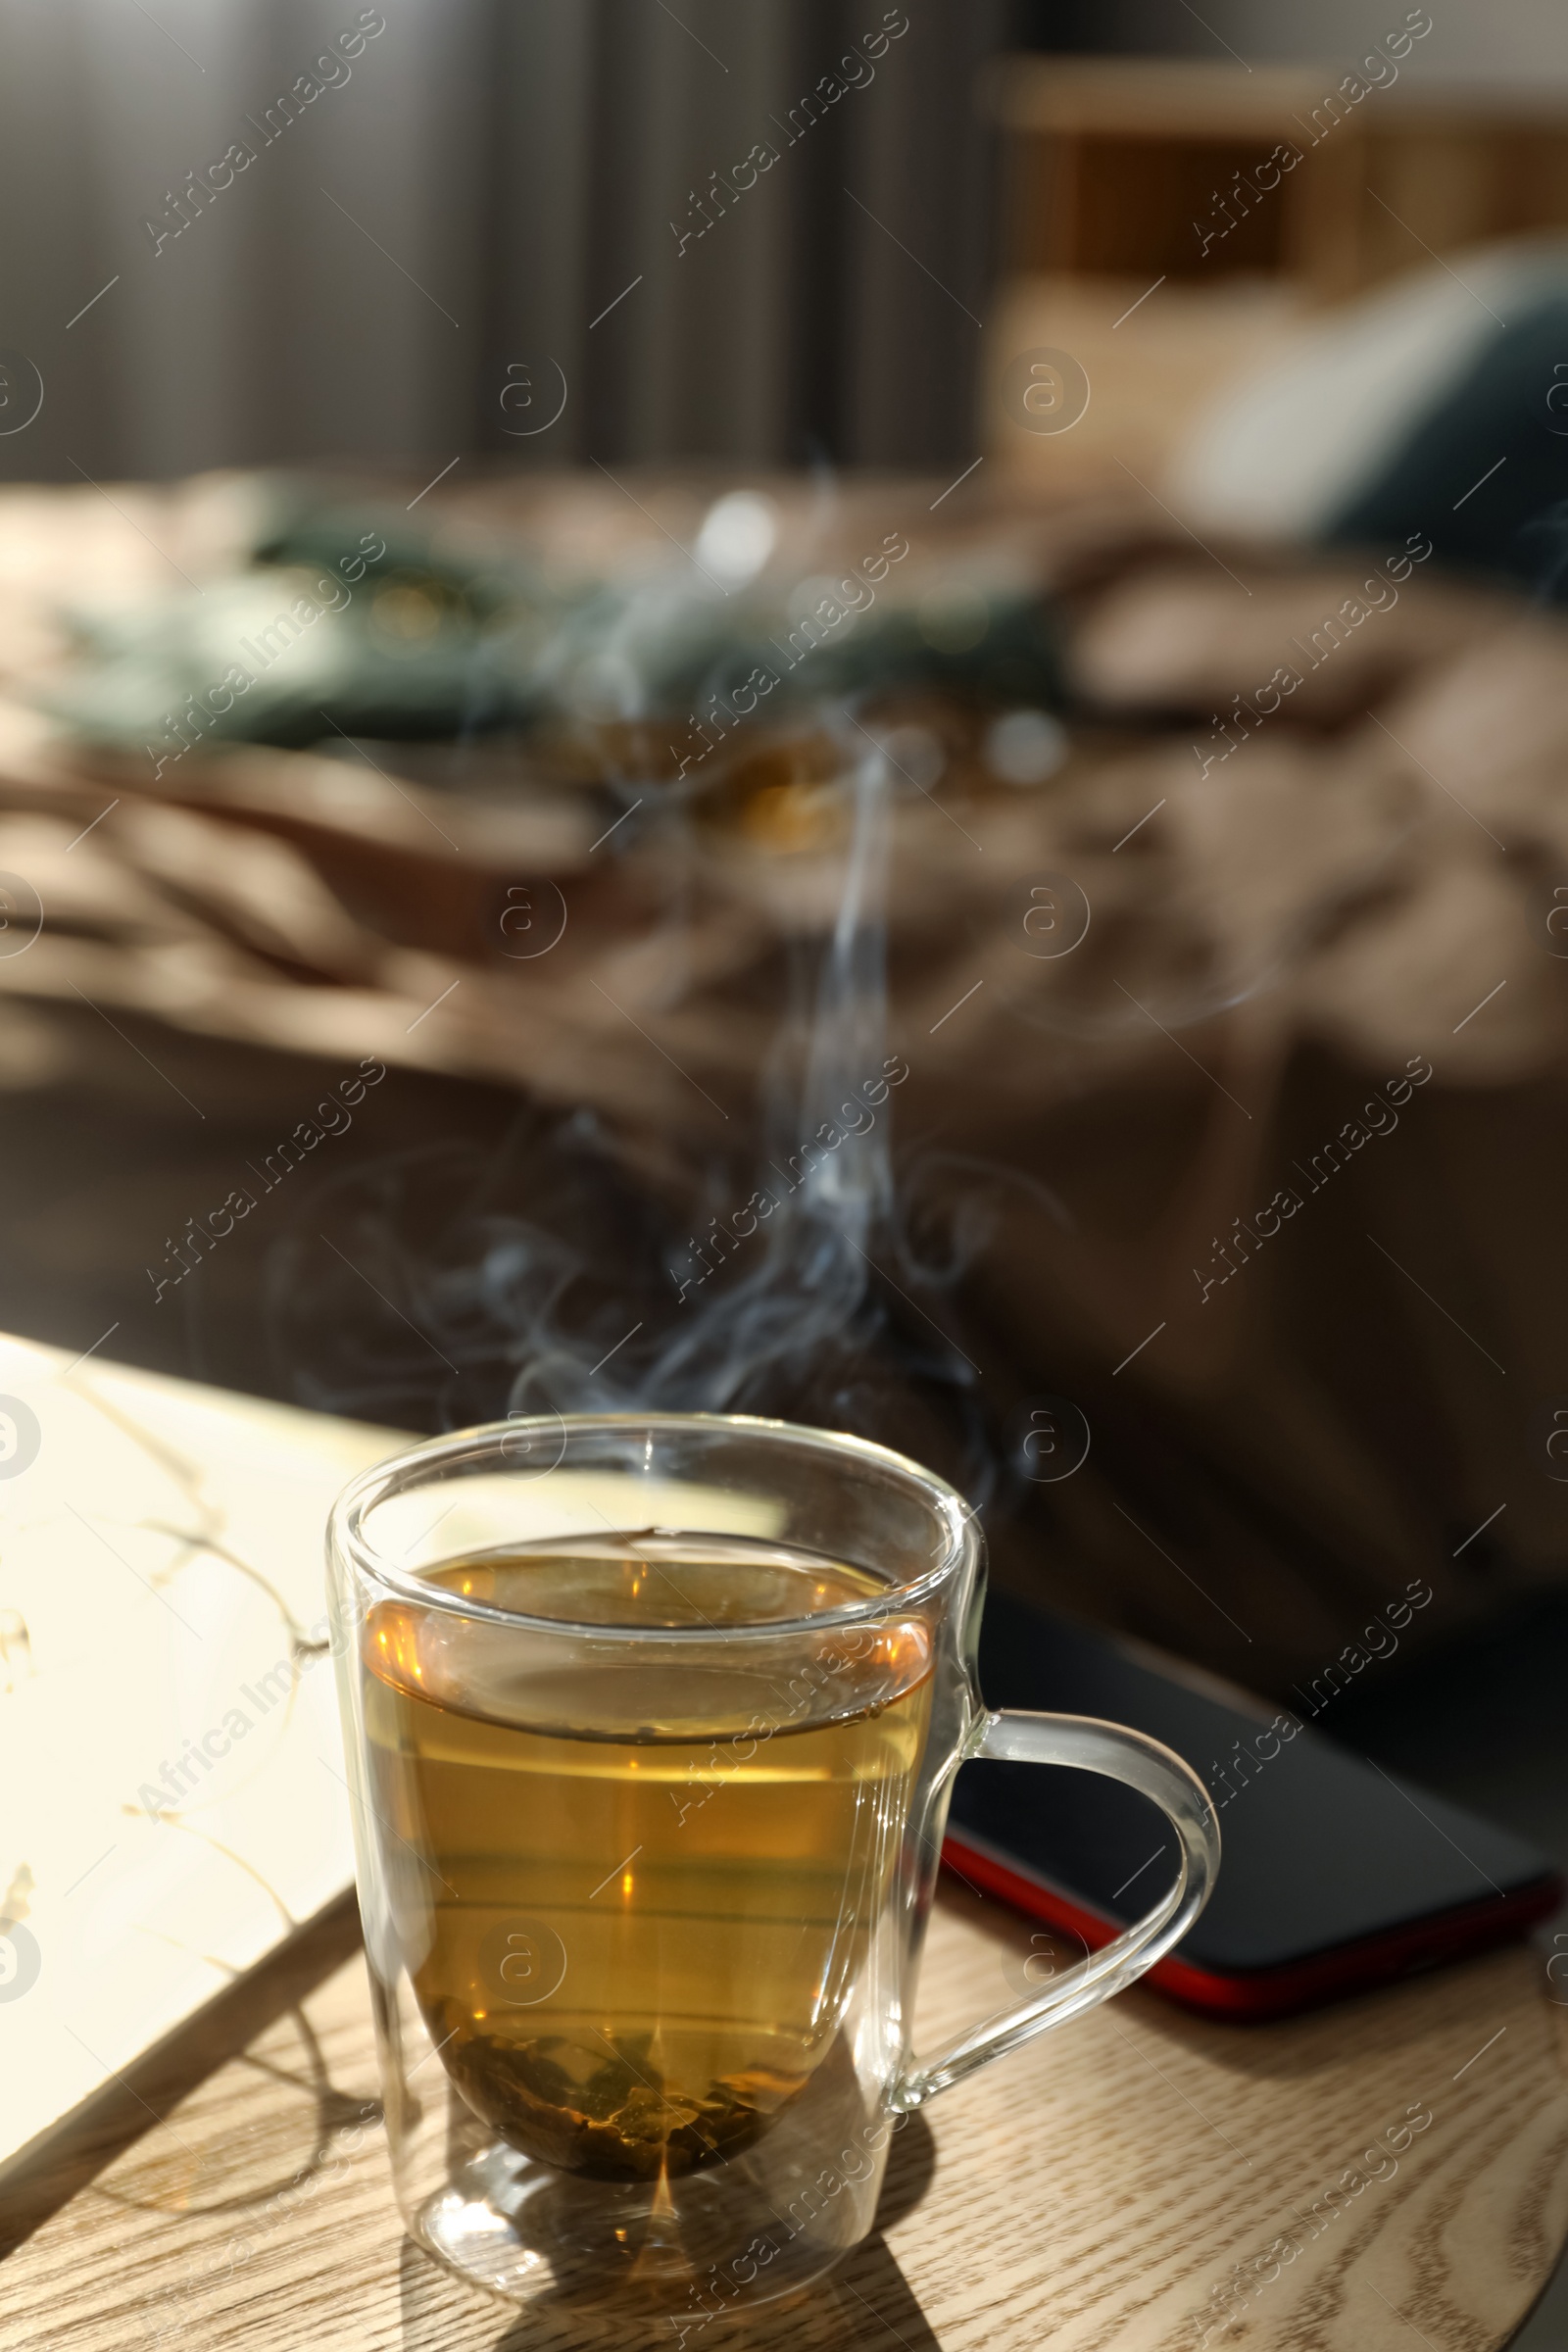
418	258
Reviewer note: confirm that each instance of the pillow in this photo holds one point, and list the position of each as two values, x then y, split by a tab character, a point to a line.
1427	407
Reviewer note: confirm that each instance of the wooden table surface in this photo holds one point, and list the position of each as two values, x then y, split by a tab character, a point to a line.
1093	2191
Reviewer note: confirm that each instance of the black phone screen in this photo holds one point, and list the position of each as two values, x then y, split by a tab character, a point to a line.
1324	1852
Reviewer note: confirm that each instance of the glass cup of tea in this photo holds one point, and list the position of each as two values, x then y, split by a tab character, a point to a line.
651	1722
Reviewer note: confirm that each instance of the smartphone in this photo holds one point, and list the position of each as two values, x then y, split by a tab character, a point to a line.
1336	1875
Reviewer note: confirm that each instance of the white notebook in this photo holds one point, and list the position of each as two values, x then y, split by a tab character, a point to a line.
172	1793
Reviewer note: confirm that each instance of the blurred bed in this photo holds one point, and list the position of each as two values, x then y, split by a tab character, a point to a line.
1225	926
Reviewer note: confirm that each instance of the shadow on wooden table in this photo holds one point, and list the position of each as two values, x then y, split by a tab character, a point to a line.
866	2300
42	2178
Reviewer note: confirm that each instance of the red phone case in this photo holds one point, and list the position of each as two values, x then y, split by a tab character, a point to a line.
1330	1976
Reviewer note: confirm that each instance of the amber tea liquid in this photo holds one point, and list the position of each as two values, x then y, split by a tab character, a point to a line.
634	1902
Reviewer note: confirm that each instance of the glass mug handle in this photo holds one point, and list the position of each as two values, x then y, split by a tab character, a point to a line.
1155	1772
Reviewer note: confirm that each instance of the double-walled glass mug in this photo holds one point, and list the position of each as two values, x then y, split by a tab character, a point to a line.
652	1721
